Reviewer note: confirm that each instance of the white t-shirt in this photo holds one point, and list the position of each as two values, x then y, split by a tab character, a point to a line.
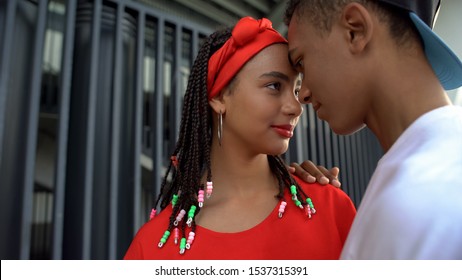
412	208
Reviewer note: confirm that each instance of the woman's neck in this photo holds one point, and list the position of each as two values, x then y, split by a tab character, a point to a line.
236	171
244	191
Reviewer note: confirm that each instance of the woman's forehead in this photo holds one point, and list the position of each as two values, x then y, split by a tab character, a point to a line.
271	58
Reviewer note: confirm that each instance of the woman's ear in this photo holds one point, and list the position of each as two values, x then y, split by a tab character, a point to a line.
358	24
218	104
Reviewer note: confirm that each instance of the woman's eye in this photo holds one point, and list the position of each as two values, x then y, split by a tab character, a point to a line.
275	86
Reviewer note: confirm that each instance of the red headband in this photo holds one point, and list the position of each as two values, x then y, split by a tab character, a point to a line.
248	38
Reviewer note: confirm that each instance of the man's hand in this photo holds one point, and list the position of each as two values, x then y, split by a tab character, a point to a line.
311	173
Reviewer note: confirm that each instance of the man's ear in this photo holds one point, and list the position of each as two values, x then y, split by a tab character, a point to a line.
358	24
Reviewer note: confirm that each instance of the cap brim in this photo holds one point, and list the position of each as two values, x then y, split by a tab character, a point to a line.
445	63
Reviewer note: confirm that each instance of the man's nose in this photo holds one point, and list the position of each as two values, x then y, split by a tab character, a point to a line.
304	96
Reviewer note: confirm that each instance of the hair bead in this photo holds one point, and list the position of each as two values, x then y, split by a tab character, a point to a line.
176	234
293	191
209	189
190	239
179	217
191	213
153	213
282	208
164	238
174	160
174	200
200	198
308	211
182	245
310	203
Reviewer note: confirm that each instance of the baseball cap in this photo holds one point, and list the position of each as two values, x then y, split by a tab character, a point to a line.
445	63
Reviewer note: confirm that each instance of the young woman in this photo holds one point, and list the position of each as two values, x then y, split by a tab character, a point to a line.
227	194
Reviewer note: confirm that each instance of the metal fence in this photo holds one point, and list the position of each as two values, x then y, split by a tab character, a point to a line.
90	99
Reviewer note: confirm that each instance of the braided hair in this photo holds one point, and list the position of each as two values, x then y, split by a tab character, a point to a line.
191	157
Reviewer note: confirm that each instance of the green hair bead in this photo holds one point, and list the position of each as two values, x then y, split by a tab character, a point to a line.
308	200
164	238
293	189
174	199
182	245
310	203
191	213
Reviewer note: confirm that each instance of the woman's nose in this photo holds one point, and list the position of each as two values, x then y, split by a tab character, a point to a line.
293	106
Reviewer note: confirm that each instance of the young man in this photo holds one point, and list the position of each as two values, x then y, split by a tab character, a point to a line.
378	63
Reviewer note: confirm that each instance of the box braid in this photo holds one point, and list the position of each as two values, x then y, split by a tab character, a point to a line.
191	157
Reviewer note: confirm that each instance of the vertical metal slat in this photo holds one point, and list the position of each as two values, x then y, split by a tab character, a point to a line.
357	164
349	167
335	150
328	144
320	143
177	94
4	68
115	134
158	110
7	250
313	155
63	128
31	133
90	137
137	188
194	45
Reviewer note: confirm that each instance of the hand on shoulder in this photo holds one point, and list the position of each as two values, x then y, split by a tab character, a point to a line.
310	173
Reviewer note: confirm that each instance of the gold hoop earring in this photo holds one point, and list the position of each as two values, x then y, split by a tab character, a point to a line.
220	127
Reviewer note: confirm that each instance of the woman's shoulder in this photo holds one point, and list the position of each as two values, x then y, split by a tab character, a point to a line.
325	192
317	187
147	235
158	224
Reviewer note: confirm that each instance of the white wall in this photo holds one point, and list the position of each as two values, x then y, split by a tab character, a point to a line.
449	27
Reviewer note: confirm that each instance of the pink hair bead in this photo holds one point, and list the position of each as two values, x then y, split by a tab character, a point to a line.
190	240
209	189
179	217
308	211
176	233
153	213
282	208
200	198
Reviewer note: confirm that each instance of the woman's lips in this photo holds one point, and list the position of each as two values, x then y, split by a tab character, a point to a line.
286	131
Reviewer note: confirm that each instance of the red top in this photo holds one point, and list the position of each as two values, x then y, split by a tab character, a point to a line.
291	237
